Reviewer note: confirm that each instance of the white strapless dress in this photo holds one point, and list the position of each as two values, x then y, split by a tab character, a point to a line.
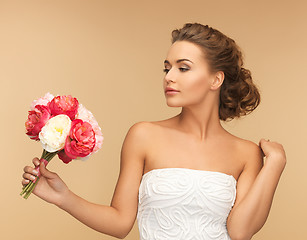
187	204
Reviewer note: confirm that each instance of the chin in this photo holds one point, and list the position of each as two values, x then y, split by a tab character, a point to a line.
172	104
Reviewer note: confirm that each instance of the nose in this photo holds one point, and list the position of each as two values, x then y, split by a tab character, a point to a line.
169	76
168	80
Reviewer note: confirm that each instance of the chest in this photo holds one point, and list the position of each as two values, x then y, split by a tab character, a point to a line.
178	150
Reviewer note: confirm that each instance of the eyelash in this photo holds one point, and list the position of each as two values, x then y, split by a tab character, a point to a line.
182	69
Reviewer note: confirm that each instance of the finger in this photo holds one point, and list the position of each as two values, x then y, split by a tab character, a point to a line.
261	142
28	169
25	181
262	153
28	176
45	172
36	161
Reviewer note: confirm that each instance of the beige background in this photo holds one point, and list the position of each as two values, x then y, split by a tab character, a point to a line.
109	54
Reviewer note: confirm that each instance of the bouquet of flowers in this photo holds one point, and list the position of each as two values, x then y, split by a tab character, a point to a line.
65	128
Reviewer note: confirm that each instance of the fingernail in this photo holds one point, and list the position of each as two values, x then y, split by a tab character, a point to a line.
35	172
32	177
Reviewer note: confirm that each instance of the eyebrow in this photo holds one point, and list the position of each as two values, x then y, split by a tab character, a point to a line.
179	60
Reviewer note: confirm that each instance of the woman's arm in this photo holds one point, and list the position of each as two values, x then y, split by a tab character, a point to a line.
118	218
255	190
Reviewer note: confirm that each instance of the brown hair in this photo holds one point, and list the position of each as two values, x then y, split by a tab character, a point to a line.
238	94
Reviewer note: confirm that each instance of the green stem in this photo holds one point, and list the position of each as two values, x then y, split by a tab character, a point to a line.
31	189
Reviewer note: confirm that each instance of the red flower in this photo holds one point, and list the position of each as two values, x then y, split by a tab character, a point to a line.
37	118
81	139
62	155
64	105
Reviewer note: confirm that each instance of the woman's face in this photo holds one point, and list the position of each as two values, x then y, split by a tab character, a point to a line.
186	71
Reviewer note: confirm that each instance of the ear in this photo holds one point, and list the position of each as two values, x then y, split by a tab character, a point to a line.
217	80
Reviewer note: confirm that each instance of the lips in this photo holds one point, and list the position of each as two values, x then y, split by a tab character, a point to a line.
171	89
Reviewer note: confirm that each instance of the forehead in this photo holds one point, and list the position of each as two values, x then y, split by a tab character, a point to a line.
184	49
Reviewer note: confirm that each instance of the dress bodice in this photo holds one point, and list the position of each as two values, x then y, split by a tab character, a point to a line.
182	203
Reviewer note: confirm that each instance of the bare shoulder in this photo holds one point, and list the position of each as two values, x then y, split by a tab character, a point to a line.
251	155
247	146
147	127
139	134
141	129
134	148
144	133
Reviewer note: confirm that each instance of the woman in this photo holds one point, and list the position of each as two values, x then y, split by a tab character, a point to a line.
187	177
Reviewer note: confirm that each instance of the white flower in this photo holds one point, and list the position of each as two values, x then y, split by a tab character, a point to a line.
54	133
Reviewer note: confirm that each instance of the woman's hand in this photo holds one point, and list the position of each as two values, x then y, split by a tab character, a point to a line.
273	151
50	186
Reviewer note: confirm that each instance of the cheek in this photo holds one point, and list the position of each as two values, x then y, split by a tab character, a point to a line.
198	86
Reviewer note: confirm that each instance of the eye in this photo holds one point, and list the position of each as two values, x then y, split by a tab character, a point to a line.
183	69
165	70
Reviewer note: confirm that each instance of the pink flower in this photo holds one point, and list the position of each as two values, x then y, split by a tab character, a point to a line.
37	118
99	138
87	116
81	139
64	105
42	101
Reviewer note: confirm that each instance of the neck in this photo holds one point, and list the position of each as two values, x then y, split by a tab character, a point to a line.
201	120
